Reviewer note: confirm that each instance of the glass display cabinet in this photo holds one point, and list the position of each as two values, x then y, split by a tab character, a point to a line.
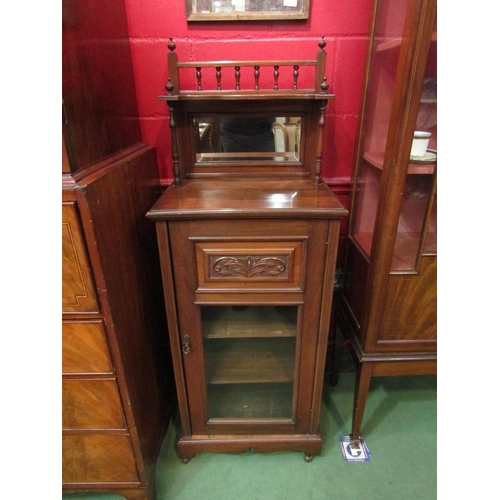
248	236
388	308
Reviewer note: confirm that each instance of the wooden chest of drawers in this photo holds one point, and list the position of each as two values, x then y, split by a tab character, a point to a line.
115	360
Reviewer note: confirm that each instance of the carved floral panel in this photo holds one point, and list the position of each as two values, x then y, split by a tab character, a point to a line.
249	266
239	263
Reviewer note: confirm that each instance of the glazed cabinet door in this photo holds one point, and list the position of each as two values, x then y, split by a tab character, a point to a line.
248	301
391	157
391	291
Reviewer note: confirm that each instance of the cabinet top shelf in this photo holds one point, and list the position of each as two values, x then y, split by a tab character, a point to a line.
396	43
236	95
247	198
377	160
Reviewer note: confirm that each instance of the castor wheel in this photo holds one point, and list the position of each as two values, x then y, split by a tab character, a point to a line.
185	460
308	458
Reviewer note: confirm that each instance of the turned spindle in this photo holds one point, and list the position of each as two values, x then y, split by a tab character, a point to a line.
198	77
319	146
175	146
218	75
295	76
237	77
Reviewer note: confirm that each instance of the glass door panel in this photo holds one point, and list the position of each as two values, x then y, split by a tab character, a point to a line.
250	354
416	231
365	208
385	53
415	204
420	179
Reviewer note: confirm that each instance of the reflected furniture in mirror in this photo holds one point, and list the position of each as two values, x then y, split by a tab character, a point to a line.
218	137
388	310
247	235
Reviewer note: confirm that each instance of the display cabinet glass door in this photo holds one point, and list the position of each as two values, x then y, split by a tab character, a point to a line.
250	359
384	58
416	232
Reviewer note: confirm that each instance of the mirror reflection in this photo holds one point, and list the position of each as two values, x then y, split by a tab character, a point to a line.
233	138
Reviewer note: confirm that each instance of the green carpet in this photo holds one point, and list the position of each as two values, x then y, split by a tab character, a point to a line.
399	427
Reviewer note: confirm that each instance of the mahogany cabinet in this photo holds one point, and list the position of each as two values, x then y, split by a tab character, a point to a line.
116	381
387	311
248	241
117	386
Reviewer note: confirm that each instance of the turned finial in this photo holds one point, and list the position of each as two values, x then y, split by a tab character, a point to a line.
171	45
322	43
169	87
324	86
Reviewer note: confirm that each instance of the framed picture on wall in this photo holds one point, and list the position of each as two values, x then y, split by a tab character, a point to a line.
246	10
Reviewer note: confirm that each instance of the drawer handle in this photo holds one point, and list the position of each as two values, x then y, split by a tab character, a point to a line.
186	348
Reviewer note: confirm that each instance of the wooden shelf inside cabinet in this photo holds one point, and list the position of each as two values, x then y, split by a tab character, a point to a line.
251	401
403	259
249	321
232	361
376	159
396	43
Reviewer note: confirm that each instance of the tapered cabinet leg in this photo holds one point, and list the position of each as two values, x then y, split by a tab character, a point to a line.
363	379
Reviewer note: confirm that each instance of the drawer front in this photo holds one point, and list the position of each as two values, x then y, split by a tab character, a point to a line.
78	291
234	263
98	458
84	348
91	404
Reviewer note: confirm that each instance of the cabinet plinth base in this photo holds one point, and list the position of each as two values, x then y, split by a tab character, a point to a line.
309	444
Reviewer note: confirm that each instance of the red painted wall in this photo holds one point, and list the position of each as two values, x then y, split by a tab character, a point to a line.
344	23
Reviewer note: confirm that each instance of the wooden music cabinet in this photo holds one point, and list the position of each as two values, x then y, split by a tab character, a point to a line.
248	236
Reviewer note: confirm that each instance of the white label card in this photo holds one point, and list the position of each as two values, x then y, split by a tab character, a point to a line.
238	2
361	454
290	3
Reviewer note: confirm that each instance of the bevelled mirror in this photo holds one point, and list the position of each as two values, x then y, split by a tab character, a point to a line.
247	138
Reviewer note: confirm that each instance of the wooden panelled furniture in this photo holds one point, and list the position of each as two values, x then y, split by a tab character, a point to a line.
116	380
387	311
248	236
